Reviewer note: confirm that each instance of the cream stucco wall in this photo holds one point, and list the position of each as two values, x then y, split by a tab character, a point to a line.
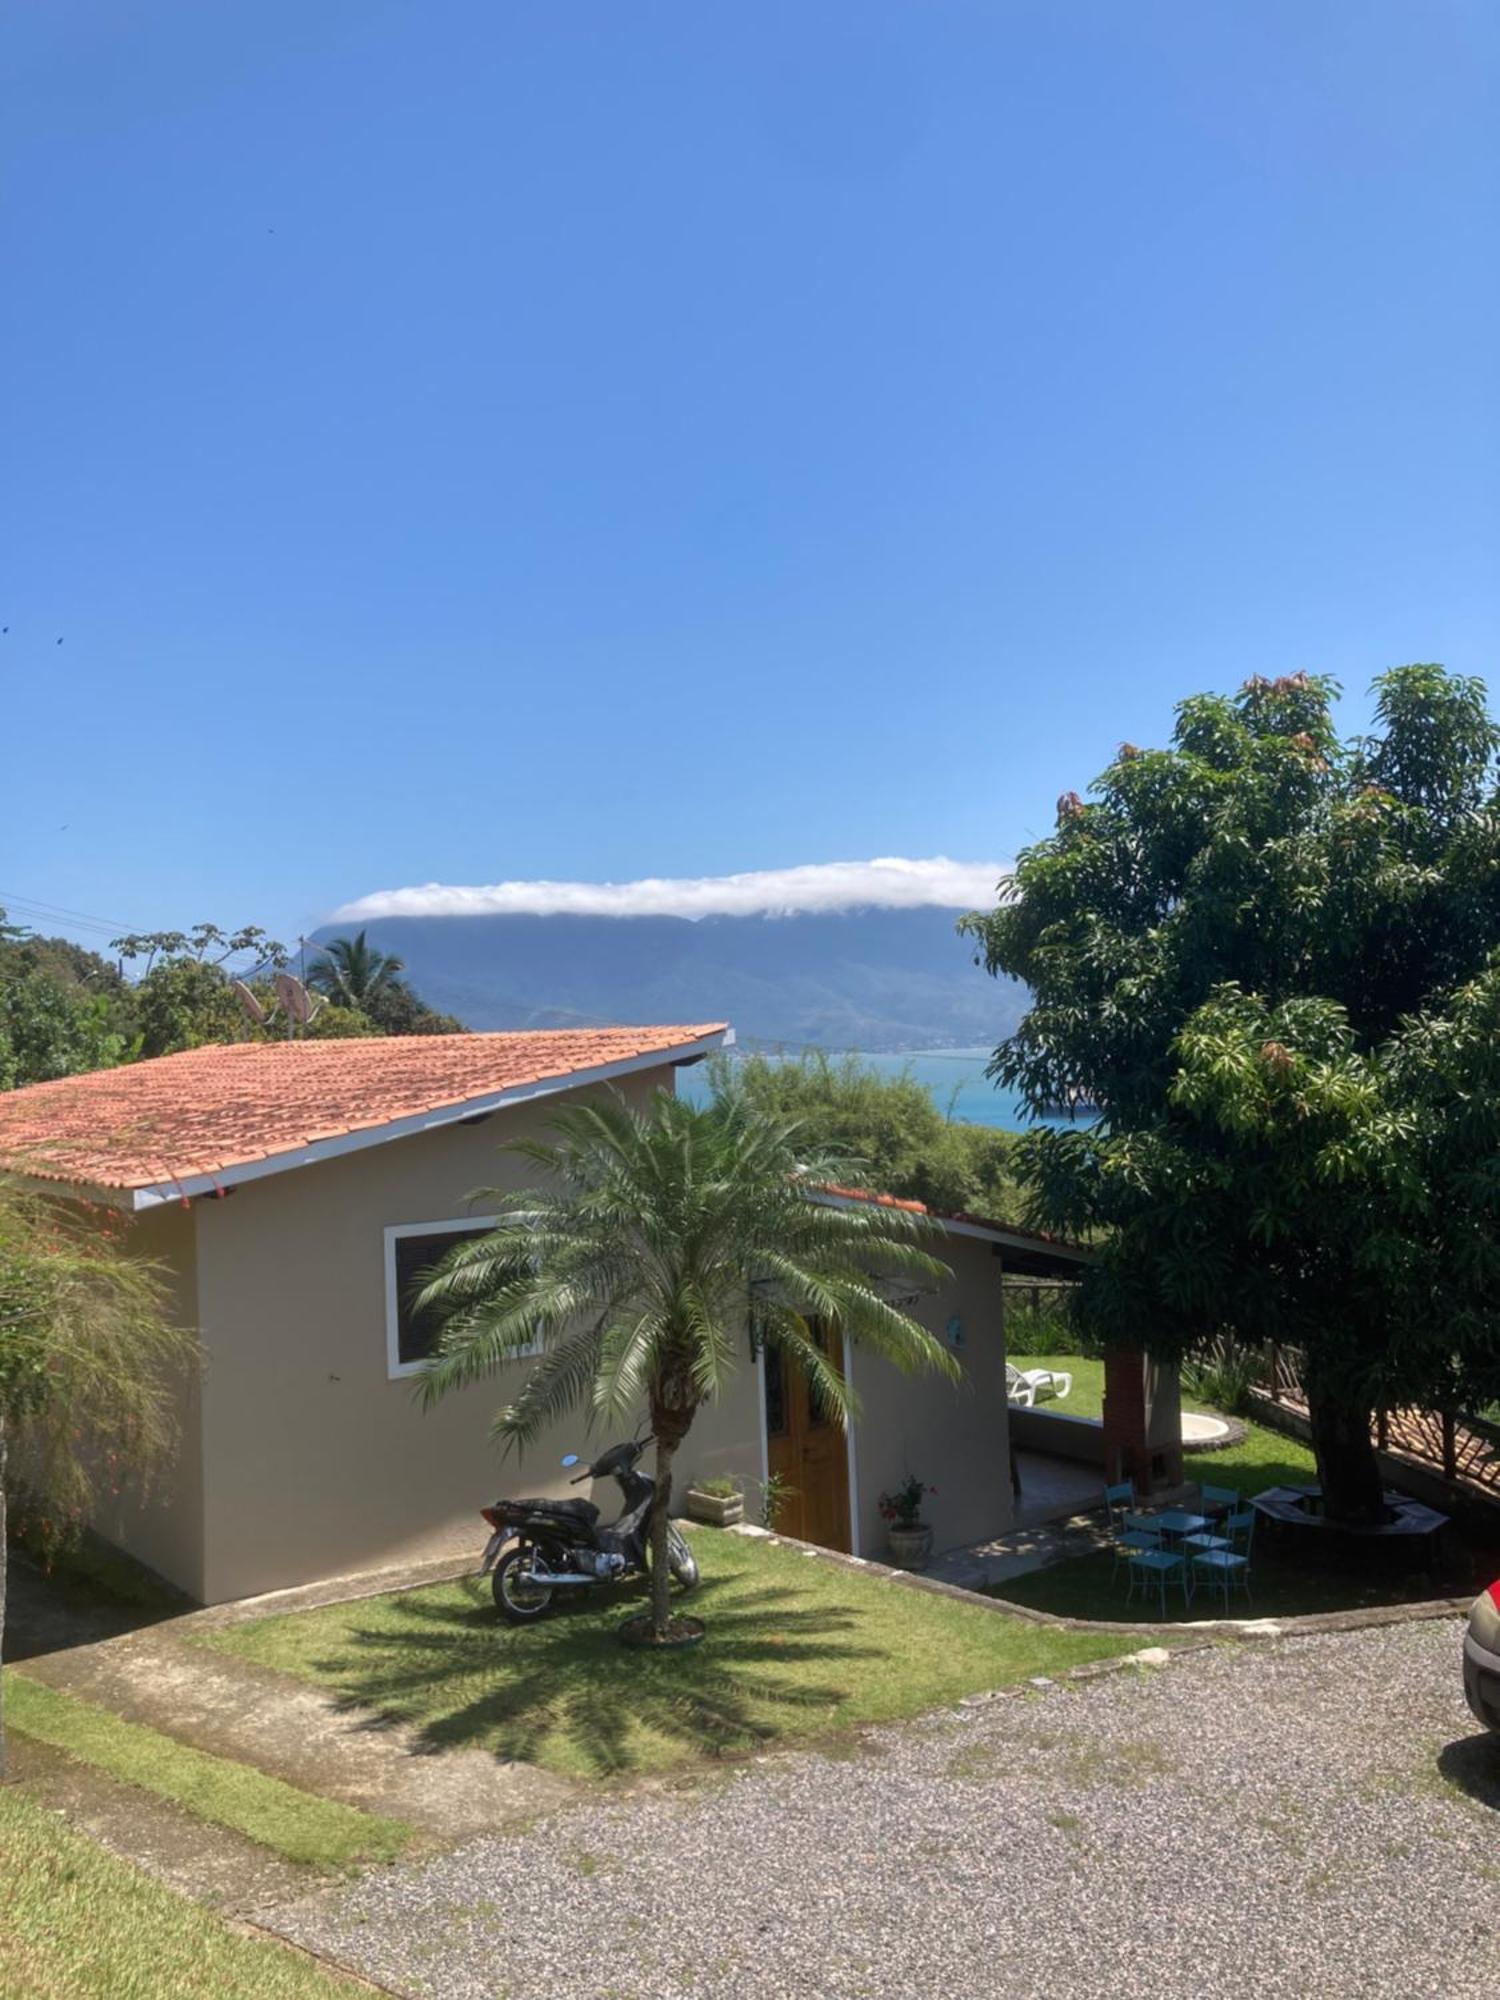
316	1463
726	1441
954	1436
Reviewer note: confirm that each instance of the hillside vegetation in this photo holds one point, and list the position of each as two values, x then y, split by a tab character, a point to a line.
890	1124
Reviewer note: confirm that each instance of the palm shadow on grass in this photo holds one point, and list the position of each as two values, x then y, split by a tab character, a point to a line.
564	1692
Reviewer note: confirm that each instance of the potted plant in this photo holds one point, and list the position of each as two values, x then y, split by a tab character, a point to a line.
776	1495
908	1534
719	1502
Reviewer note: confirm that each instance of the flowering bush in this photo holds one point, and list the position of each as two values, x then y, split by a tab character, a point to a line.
902	1507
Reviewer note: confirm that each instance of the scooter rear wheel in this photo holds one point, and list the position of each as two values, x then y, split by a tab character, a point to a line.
517	1598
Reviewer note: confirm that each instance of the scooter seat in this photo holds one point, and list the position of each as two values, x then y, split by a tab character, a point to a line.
571	1510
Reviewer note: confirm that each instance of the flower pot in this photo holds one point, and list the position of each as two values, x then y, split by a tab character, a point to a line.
719	1510
910	1545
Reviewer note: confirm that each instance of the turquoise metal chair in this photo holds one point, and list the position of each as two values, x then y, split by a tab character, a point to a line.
1154	1569
1240	1529
1119	1499
1131	1542
1221	1502
1228	1568
1201	1543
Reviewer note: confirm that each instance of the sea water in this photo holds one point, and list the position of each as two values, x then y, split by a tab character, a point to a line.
955	1079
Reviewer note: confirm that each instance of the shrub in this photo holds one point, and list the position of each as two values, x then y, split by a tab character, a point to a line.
1223	1380
775	1492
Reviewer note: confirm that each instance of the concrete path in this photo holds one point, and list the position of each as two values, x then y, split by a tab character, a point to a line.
221	1868
300	1733
1312	1816
979	1565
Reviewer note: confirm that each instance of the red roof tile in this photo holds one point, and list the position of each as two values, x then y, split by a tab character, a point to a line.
1037	1236
199	1114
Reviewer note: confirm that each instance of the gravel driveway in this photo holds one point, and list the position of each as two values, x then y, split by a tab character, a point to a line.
1311	1816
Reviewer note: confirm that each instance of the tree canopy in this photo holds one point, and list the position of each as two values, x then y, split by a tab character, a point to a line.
1273	958
64	1010
887	1126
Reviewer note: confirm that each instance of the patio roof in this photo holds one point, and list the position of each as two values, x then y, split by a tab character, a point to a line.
1025	1251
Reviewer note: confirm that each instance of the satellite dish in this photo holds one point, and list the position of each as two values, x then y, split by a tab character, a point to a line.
293	997
254	1013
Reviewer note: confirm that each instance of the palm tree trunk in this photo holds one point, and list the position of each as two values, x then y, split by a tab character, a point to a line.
661	1521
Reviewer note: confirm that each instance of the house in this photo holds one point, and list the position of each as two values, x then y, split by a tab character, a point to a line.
292	1190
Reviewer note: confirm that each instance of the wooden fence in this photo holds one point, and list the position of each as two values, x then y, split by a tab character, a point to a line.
1463	1448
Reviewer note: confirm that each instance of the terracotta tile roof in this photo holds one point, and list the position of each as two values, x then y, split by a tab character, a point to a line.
1037	1236
181	1118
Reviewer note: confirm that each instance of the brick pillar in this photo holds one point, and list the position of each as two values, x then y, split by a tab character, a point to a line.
1142	1421
1164	1422
1125	1454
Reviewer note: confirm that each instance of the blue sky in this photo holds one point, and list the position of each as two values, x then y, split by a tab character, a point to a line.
474	441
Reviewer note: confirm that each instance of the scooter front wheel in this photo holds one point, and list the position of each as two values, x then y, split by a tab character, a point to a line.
518	1596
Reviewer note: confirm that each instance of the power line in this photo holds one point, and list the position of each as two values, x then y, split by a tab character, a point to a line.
31	908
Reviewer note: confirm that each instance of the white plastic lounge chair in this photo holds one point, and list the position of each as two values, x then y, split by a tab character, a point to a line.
1036	1385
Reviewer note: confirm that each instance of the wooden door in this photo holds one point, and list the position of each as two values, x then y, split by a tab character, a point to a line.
808	1448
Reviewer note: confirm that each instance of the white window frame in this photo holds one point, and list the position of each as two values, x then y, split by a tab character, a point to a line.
453	1225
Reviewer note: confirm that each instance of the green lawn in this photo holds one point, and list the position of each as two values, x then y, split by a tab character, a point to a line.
1086	1587
77	1924
1085	1398
795	1646
1280	1588
293	1823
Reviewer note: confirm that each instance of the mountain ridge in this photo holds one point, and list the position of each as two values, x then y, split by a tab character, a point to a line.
868	978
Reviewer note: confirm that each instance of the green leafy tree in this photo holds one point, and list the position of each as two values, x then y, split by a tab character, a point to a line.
185	998
1268	955
396	1010
62	1009
184	1003
335	1024
48	1030
639	1262
89	1367
889	1122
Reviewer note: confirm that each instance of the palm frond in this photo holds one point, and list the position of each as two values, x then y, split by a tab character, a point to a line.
653	1226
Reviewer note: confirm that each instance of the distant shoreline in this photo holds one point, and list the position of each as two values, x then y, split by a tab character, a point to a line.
954	1078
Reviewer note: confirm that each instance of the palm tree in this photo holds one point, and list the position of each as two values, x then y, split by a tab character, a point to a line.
90	1366
353	972
637	1269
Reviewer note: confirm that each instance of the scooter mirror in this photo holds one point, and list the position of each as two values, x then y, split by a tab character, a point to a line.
571	1459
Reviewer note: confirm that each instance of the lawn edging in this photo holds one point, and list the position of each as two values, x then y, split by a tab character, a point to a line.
302	1827
1305	1623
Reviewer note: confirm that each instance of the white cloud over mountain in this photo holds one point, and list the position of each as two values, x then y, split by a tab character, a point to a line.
889	883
